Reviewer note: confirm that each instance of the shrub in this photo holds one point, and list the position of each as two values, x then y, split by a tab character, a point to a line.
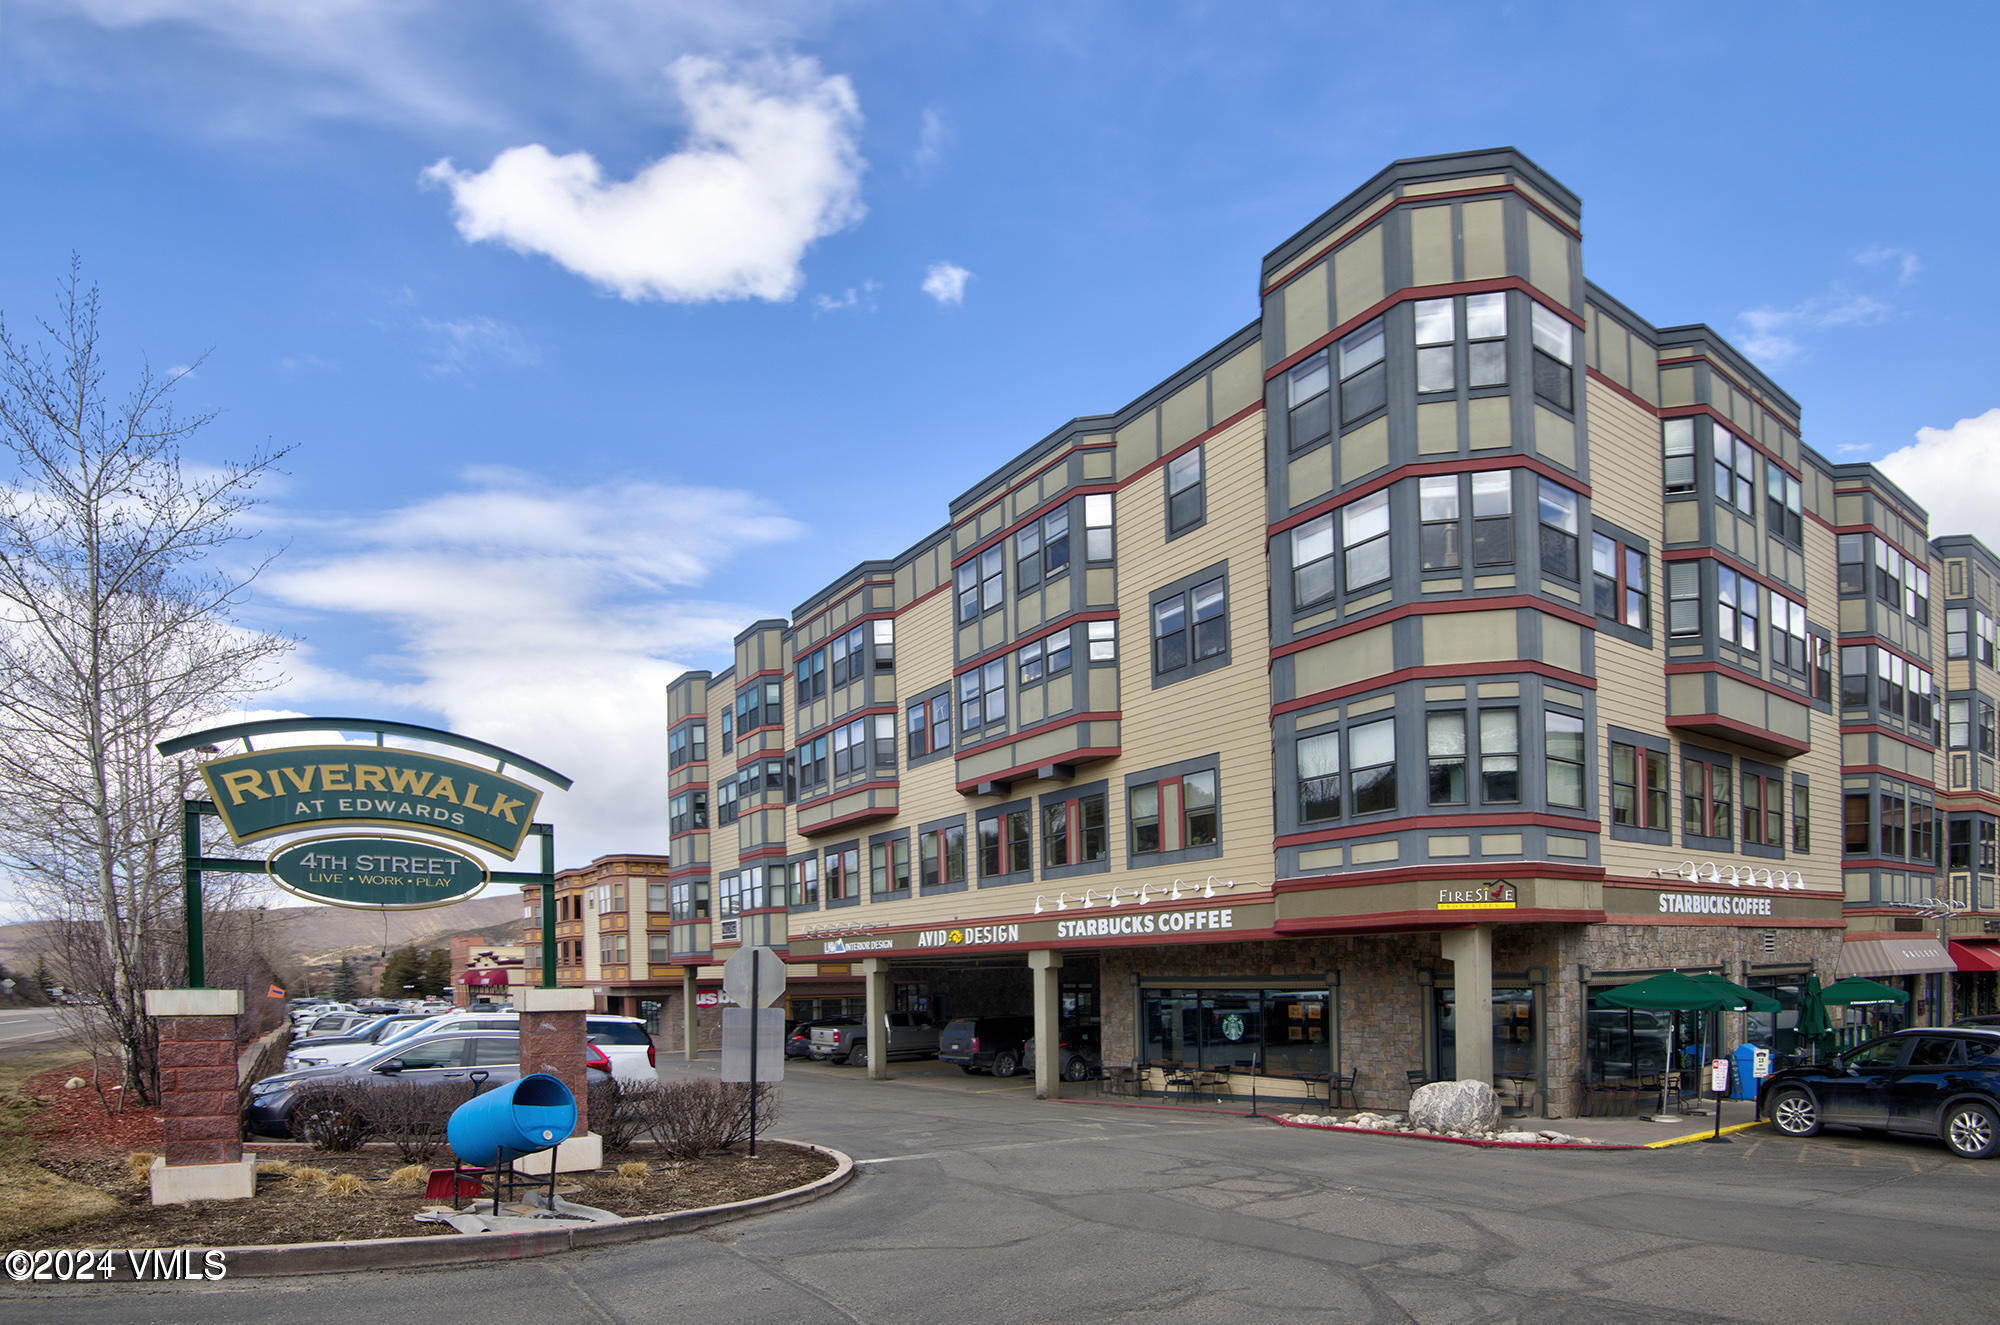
692	1118
329	1118
414	1120
621	1111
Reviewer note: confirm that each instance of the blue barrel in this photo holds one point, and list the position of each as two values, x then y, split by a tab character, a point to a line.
535	1113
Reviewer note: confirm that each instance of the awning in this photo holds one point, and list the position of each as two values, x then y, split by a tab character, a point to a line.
1976	956
492	975
1875	958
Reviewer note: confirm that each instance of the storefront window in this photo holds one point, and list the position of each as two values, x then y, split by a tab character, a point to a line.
1286	1032
1632	1045
1776	1031
1516	1052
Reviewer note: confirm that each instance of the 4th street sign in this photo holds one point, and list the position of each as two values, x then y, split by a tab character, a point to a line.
376	873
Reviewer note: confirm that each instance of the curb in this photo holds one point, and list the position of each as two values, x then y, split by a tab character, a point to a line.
1705	1136
485	1248
1466	1140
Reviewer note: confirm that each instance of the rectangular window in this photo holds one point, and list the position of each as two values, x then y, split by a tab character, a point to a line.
1894	843
1560	525
1853	555
968	592
1143	812
1437	508
968	701
1055	649
1309	401
1638	787
1955	633
1958	724
884	756
1801	817
1444	736
1371	755
1186	504
1677	442
1763	810
1553	357
1486	336
1028	557
1028	663
1683	599
1604	575
1854	674
916	725
1319	777
1707	806
993	677
1189	628
1200	817
1564	748
1493	518
1364	384
1312	561
1097	514
1364	527
992	578
1499	756
728	738
1004	844
1055	542
1055	834
884	640
1437	335
1103	641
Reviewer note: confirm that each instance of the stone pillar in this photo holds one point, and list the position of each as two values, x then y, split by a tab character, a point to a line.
875	977
553	1040
202	1117
1470	952
1044	971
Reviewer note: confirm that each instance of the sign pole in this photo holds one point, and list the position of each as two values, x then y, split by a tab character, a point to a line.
1719	1073
197	973
756	1006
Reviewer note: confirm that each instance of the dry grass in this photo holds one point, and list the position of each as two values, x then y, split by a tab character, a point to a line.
32	1199
408	1178
139	1166
277	1168
633	1168
306	1175
344	1184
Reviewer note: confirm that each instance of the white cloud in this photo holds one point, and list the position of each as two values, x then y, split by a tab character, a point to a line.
934	139
1905	263
945	282
1772	335
855	298
770	166
542	618
1954	473
463	344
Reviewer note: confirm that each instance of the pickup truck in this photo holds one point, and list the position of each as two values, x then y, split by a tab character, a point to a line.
911	1035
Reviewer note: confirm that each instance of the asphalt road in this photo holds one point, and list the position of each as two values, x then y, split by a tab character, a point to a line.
974	1201
28	1029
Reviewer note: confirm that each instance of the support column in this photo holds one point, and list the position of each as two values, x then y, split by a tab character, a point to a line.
690	1028
202	1117
875	977
1470	952
554	1039
1044	972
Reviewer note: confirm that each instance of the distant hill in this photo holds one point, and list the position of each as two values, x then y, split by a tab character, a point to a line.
321	934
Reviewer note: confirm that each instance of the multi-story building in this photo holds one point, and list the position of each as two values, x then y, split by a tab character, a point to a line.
611	929
1448	638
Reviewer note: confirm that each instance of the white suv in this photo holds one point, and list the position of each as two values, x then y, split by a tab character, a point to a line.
623	1040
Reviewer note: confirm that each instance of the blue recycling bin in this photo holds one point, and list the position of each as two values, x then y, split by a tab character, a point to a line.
1743	1082
534	1113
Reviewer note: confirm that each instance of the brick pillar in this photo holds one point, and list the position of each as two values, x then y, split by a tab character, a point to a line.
553	1040
202	1120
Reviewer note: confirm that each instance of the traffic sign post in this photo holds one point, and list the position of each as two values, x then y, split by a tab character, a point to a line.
754	979
1718	1082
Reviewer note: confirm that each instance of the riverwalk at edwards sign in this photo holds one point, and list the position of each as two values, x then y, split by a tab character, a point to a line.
376	873
263	792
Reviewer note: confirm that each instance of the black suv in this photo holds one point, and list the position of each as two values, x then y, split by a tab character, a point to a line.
1930	1082
987	1044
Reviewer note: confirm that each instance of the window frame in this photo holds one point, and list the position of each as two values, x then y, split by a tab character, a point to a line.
1158	780
1074	802
1183	598
1013	842
1186	492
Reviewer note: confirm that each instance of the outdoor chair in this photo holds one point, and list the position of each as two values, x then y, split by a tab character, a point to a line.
1341	1083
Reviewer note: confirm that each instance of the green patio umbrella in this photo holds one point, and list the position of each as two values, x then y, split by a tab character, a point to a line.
1750	998
1857	992
1673	992
1814	1027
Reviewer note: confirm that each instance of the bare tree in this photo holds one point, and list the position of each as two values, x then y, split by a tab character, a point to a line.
118	580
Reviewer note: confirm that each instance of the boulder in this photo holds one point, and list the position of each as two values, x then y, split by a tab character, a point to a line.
1455	1108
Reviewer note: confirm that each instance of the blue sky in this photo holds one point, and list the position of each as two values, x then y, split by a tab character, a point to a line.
579	316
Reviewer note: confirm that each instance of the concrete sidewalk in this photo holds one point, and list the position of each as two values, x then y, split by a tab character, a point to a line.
1691	1125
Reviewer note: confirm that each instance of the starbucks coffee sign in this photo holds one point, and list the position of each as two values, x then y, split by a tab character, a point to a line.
375	873
264	792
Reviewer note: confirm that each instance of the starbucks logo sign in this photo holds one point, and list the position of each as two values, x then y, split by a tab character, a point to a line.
1232	1027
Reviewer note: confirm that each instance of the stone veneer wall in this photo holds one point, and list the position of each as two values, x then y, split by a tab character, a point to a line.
1380	1026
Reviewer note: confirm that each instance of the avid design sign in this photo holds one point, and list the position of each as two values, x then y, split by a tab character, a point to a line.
377	873
263	792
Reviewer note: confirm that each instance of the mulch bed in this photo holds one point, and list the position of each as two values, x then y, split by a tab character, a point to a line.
290	1209
75	1137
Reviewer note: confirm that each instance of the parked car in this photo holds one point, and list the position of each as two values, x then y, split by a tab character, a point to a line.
434	1062
624	1039
1076	1053
320	1051
1923	1081
798	1040
909	1035
336	1023
987	1044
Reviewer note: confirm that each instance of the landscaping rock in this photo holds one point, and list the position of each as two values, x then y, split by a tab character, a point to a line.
1455	1108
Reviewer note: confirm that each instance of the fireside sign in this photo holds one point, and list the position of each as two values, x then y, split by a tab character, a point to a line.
1495	896
275	791
376	873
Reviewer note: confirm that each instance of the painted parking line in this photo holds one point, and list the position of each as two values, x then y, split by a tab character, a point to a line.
1704	1136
